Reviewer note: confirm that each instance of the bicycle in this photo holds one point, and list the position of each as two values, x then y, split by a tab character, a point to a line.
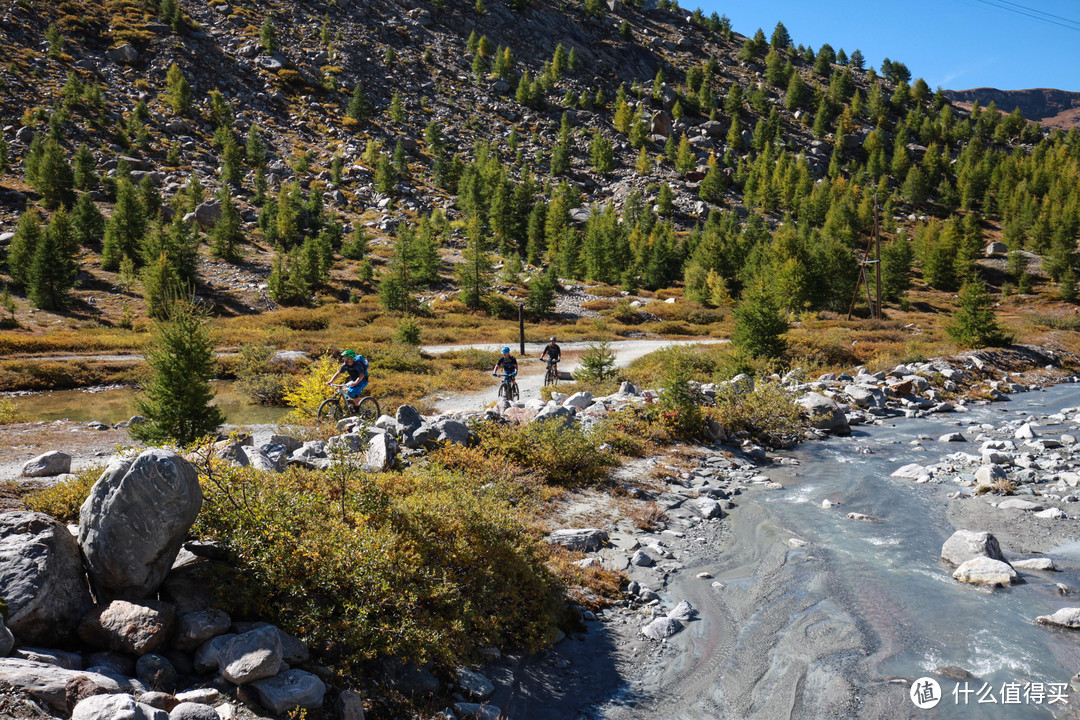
336	407
551	377
509	387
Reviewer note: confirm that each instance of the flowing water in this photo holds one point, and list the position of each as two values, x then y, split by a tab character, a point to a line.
893	580
113	405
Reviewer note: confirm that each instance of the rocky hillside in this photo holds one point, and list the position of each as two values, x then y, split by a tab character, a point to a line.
1051	108
500	131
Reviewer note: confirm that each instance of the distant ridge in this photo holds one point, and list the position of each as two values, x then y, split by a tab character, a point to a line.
1051	108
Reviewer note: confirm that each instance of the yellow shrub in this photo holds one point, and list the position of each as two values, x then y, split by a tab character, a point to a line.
308	392
9	412
63	500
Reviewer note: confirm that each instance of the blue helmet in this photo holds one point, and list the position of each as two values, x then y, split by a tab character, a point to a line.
505	350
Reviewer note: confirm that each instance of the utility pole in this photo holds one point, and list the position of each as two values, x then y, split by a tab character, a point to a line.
877	257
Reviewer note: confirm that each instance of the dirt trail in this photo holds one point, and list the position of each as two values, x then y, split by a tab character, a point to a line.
531	373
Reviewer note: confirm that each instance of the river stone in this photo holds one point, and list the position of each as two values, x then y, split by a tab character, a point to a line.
476	711
48	464
661	628
120	663
683	611
48	683
1051	513
707	508
160	700
195	628
475	685
952	437
137	516
964	545
116	707
1045	564
861	517
193	711
251	656
123	626
288	690
260	460
986	571
41	577
989	475
641	559
579	400
824	413
381	452
1025	432
1067	617
1018	504
582	540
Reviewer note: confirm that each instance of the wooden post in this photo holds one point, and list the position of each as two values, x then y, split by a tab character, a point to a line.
521	327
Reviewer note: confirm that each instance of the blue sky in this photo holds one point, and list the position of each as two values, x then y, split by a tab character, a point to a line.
955	44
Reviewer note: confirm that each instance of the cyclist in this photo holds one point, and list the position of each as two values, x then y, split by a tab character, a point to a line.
508	363
553	353
356	367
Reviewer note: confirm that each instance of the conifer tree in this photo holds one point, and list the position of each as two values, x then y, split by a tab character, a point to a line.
781	40
87	221
55	264
268	35
474	274
685	161
54	178
176	401
974	325
759	323
541	300
85	166
125	228
20	255
227	234
177	90
603	156
359	107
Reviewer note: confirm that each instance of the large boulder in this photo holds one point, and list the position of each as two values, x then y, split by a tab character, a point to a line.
824	413
123	626
251	656
964	545
290	690
448	430
116	707
381	452
195	628
193	711
580	539
986	571
48	683
7	640
662	628
49	464
408	419
41	577
137	516
1066	617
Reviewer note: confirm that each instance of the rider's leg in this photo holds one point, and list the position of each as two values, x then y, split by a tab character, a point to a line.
352	396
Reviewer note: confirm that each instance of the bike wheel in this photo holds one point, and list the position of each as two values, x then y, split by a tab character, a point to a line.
502	391
368	410
514	392
551	377
331	409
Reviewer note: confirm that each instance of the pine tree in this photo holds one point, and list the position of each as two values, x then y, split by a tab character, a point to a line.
176	401
125	228
759	323
474	274
20	256
397	109
665	202
973	324
603	156
781	40
685	161
227	234
88	222
896	259
85	174
268	35
161	286
541	300
54	178
359	107
55	265
177	90
644	164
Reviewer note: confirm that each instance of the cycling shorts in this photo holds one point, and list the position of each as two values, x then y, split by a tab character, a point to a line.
355	390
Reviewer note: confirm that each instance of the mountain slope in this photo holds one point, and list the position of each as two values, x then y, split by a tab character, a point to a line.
1051	108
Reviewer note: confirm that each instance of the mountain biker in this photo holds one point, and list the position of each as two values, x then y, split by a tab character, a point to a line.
553	352
356	367
508	363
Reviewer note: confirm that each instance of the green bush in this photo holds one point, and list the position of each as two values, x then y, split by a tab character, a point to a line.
769	413
563	455
429	565
63	500
256	376
679	402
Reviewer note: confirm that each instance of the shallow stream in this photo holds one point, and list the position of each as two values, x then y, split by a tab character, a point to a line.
114	405
889	576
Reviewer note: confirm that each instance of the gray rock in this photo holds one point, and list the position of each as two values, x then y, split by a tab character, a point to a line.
996	249
1018	504
123	626
137	516
475	685
662	628
157	672
206	214
448	430
48	464
160	700
1051	513
201	696
952	437
7	640
260	460
582	540
579	400
986	571
476	711
1067	617
48	683
120	663
290	443
125	53
683	611
554	412
115	707
381	452
1025	432
41	575
293	650
251	656
707	507
408	419
193	629
628	388
193	711
964	545
289	690
411	680
208	656
640	558
1044	564
347	443
59	658
824	413
350	705
268	63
